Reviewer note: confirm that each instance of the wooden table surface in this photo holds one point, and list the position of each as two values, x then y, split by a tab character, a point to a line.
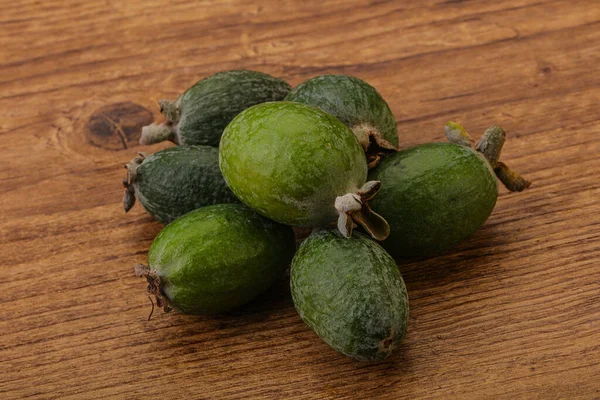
514	312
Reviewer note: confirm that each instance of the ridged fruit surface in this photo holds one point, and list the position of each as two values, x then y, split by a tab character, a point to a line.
207	107
351	100
217	258
434	196
177	180
290	161
351	293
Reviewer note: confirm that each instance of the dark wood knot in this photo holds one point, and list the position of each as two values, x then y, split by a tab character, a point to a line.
117	126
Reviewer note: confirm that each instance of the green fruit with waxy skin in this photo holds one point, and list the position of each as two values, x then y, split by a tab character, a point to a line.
200	114
299	166
216	258
358	105
436	195
351	293
175	181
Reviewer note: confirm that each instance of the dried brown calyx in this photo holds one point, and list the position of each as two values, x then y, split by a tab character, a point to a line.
131	166
490	146
353	208
153	279
387	345
155	133
373	143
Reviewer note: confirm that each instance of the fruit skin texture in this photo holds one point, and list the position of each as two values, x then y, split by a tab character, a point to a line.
201	113
351	293
290	161
434	196
219	257
351	100
177	180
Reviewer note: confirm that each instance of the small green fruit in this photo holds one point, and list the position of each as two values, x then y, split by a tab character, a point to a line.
351	293
175	181
200	114
300	166
216	258
436	195
358	105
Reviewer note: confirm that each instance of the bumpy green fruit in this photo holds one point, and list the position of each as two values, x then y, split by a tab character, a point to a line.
351	293
216	258
358	105
175	181
300	166
200	114
436	195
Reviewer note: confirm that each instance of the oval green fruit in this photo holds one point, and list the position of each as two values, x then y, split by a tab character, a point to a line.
216	258
351	293
437	195
200	114
297	165
434	196
175	181
358	105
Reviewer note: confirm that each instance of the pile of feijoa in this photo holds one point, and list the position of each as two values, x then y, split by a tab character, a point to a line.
255	158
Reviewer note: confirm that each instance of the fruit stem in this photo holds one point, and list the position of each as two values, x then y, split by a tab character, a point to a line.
353	208
373	143
511	179
490	144
456	134
128	182
170	109
153	279
156	133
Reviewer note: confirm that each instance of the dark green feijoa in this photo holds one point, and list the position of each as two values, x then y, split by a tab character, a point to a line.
216	258
358	105
436	195
200	114
299	166
174	181
351	293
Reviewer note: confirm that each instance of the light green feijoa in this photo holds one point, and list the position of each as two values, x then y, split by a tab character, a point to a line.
351	293
200	114
358	105
436	195
175	181
300	166
216	258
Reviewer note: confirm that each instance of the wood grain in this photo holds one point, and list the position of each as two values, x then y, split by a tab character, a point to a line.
514	312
